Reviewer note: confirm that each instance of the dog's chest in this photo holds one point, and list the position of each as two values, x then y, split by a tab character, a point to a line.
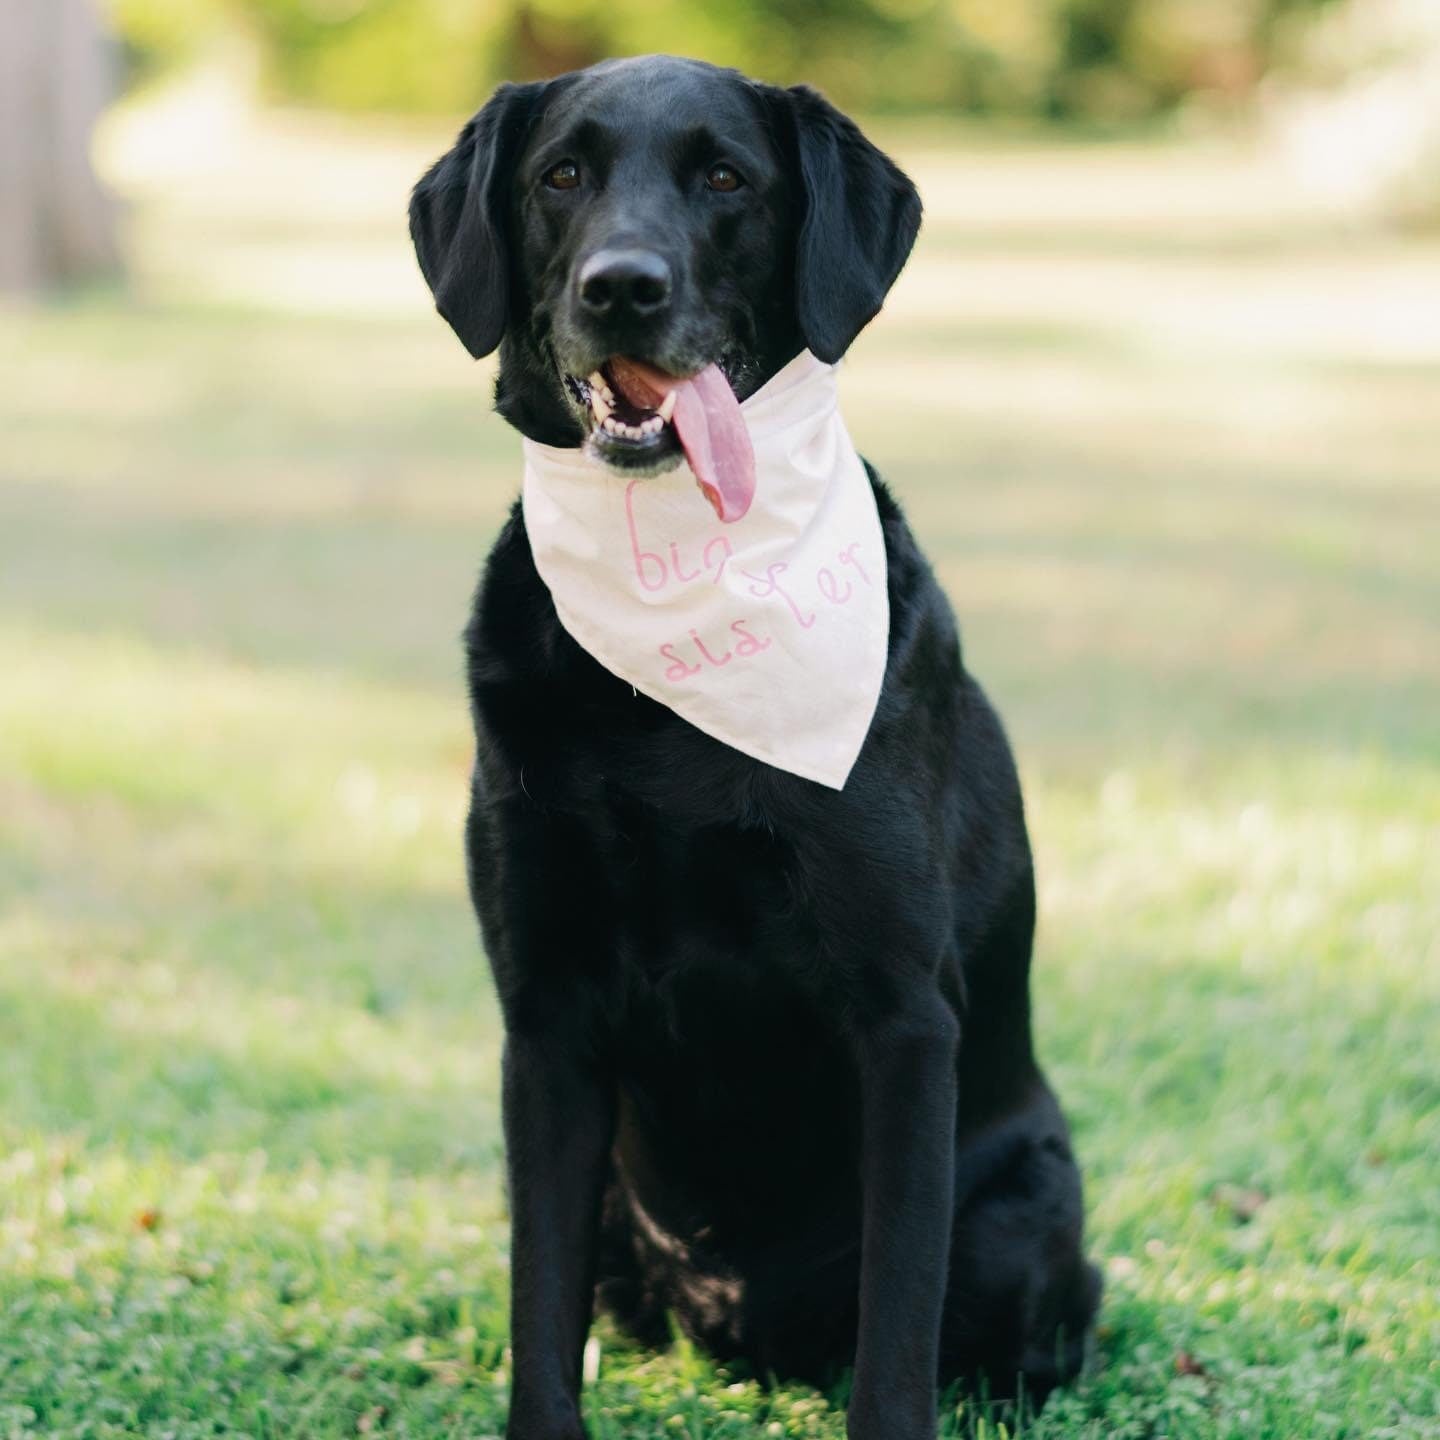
692	903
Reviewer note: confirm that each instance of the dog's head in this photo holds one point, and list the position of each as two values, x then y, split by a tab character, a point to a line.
649	219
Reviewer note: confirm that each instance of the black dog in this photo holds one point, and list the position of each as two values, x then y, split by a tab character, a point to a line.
768	1065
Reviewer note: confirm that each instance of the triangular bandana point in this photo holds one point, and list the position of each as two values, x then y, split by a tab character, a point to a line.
769	634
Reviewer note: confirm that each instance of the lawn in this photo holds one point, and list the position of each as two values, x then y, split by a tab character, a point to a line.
1173	442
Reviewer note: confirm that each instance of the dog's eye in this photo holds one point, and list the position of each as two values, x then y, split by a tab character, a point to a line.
723	177
564	176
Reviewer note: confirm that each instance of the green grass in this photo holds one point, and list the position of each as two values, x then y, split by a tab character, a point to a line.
249	1142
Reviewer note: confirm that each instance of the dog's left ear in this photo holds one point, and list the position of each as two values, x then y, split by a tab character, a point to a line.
861	216
459	218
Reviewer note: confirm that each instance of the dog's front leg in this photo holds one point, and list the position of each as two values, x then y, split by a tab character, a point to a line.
907	1078
559	1119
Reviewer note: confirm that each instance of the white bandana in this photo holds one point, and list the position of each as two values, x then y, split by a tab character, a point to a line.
770	633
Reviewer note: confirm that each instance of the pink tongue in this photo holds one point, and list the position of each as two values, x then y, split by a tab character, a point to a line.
711	429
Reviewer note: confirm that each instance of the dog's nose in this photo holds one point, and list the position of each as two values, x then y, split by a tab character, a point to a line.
619	284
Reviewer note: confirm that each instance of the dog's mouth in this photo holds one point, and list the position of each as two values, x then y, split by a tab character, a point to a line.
625	433
641	421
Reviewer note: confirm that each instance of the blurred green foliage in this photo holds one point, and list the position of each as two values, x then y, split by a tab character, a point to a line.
1104	60
159	34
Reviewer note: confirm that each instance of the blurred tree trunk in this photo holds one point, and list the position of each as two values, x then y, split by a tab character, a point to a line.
56	222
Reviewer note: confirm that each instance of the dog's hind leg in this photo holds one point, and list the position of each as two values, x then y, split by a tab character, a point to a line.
1022	1297
631	1283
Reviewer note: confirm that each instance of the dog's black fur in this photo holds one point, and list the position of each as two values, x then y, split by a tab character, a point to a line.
768	1066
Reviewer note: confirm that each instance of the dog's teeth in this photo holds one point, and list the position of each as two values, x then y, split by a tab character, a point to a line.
600	404
611	424
653	425
596	381
666	407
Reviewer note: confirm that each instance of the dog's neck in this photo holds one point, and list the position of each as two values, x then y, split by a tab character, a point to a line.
802	393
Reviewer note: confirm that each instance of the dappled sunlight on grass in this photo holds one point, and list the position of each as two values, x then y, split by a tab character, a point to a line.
341	772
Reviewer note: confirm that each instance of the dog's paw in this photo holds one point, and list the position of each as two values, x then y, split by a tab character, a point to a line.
897	1417
559	1422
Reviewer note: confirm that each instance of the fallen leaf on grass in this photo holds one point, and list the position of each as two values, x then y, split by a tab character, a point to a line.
1244	1203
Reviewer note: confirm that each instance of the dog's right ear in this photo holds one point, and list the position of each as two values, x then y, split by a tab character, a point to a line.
459	218
861	216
